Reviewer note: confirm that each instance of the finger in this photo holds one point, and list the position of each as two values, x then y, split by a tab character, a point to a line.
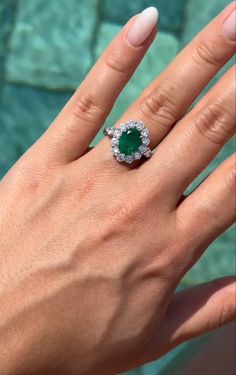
194	312
84	114
217	354
164	102
209	210
196	140
87	150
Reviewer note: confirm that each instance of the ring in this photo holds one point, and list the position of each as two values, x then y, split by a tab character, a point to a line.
129	141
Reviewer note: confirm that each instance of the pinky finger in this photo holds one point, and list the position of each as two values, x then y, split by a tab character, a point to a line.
192	313
210	209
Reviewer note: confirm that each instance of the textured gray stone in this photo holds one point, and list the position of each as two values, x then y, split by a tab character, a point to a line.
25	114
160	54
51	44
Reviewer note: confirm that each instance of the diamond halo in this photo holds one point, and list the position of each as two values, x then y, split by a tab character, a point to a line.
124	128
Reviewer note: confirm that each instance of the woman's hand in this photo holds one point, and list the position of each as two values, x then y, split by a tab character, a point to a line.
92	250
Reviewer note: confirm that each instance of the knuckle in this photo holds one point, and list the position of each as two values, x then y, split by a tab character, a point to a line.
115	62
30	177
89	108
215	123
161	105
206	53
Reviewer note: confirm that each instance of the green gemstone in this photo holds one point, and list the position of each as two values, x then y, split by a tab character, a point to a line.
130	141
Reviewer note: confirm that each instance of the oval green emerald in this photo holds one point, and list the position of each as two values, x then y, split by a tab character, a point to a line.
130	141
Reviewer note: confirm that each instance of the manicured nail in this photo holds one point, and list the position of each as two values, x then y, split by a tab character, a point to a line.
143	26
229	27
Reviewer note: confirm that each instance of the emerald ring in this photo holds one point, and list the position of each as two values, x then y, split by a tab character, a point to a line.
129	141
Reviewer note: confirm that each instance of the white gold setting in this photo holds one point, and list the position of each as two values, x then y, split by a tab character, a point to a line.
116	133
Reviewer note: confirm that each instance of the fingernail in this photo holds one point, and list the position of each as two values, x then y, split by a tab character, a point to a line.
142	27
229	27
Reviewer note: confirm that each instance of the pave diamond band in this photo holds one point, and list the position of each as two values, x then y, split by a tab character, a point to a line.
129	141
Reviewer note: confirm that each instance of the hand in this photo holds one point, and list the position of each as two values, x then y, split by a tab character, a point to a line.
92	250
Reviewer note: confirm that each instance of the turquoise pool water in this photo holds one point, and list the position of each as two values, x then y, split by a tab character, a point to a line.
47	47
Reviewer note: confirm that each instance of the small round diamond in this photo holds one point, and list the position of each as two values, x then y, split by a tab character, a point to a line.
118	132
129	159
120	157
139	125
146	141
142	149
114	141
148	153
145	132
115	150
137	155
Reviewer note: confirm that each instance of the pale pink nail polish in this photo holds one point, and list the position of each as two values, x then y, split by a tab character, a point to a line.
143	26
229	27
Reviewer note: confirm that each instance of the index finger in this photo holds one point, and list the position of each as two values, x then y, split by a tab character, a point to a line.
84	114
